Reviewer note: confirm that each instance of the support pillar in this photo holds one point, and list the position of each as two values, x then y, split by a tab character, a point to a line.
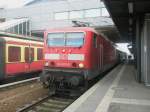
145	48
138	49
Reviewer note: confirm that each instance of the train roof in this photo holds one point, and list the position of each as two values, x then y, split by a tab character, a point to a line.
71	29
20	40
12	35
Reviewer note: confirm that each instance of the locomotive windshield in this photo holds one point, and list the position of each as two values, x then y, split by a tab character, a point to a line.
56	39
74	39
66	39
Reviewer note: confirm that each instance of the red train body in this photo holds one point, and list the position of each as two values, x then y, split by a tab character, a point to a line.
20	55
76	55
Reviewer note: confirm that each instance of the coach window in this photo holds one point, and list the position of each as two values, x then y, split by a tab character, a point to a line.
14	54
26	54
95	41
39	53
29	54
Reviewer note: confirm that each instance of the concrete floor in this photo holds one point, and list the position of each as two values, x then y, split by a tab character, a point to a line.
116	92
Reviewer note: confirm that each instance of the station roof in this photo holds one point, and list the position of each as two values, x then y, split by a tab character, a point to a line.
33	2
12	23
124	13
110	32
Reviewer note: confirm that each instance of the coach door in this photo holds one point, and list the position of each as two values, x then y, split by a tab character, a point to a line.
29	57
36	58
27	60
32	58
101	57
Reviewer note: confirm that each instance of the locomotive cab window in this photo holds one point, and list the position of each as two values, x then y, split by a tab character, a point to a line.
14	54
73	39
56	39
95	41
39	53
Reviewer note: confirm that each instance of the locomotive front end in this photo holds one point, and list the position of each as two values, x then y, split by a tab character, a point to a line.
65	58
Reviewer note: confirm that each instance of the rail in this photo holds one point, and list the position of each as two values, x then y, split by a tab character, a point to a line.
18	82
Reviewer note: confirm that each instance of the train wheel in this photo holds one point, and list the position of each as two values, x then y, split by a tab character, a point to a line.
52	89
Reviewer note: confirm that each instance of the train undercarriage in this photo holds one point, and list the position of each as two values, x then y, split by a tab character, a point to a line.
64	82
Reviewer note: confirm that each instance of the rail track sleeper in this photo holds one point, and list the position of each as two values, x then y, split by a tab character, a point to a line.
65	100
57	102
31	111
52	105
46	109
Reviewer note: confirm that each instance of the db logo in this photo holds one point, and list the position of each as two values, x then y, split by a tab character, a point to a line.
64	56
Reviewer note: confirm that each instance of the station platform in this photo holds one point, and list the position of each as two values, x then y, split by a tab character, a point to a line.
118	91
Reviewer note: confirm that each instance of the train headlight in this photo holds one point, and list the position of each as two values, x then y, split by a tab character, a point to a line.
46	63
81	65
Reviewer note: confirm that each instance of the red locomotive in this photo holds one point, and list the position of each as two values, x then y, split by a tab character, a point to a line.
19	55
75	55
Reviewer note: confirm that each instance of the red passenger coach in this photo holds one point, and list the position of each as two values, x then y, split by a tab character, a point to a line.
73	56
19	55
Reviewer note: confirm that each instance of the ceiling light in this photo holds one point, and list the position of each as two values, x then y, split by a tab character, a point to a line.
130	6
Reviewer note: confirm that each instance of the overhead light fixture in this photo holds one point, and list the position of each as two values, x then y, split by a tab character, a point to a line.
130	7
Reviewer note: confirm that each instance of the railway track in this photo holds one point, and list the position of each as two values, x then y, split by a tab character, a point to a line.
53	103
48	104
